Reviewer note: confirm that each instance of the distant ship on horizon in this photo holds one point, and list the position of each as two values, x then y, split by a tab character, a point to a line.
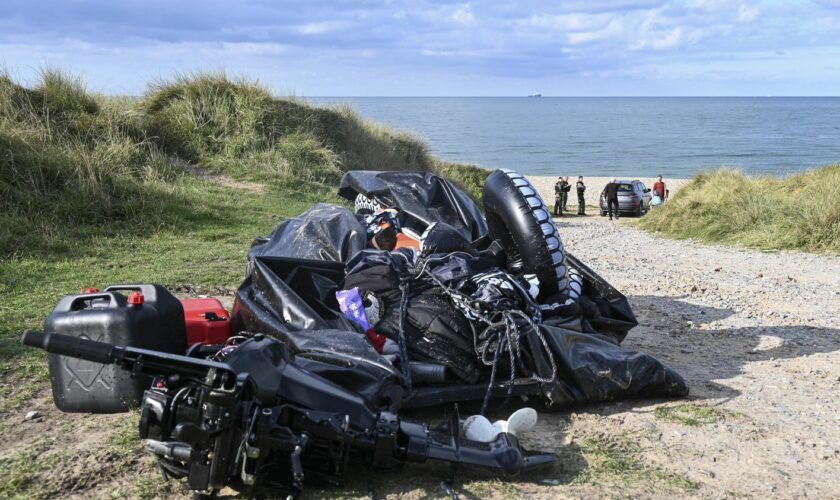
535	94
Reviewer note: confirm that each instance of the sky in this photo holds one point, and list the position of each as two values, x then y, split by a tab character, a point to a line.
448	48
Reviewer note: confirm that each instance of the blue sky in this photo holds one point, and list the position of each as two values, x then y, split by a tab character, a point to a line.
394	47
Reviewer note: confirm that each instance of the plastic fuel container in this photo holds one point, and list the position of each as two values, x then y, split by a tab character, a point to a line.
207	321
150	317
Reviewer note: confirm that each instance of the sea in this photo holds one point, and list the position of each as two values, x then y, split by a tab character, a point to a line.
622	136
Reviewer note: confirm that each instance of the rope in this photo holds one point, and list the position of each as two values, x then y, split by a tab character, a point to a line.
502	328
406	368
492	381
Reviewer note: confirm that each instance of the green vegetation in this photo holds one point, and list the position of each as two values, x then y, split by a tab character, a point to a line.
469	177
689	414
22	468
799	211
616	463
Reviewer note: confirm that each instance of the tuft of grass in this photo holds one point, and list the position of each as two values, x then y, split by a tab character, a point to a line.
491	488
616	463
239	128
798	212
71	160
20	471
150	485
689	414
126	436
470	178
206	115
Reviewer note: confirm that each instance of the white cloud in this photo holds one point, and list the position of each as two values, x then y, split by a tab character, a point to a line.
320	27
568	22
463	15
613	30
251	48
748	13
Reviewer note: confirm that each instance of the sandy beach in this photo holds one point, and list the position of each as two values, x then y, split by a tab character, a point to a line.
594	185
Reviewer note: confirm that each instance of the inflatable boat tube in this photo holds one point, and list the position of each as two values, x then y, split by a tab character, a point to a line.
519	219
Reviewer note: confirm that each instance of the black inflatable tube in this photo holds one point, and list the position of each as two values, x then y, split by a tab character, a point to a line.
520	220
430	373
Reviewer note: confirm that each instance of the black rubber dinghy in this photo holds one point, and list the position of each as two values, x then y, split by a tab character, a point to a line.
520	220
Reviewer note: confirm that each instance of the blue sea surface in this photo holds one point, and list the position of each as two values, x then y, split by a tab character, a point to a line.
623	136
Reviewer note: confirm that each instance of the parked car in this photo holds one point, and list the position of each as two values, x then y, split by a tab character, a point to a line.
633	198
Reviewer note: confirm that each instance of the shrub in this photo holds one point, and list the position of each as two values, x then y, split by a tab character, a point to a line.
800	211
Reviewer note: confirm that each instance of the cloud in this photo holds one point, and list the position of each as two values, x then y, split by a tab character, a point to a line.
342	46
319	28
748	13
251	48
614	29
463	15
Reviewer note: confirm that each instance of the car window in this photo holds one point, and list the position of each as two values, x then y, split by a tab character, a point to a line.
625	187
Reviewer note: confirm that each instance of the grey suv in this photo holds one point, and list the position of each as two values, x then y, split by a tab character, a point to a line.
633	197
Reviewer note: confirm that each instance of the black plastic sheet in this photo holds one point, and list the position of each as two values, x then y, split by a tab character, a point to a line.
324	232
422	197
294	300
593	368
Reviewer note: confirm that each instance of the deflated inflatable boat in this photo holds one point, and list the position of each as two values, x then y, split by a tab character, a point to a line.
415	298
486	305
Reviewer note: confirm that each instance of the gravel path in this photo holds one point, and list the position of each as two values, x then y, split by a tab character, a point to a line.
757	337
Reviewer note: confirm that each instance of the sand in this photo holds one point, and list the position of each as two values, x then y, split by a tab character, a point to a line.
594	186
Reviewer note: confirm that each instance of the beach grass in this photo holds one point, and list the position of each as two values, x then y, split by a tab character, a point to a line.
796	212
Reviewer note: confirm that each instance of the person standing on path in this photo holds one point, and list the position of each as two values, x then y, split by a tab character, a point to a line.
581	189
611	194
659	188
558	197
567	186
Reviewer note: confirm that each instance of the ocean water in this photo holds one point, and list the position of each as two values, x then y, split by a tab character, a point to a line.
634	136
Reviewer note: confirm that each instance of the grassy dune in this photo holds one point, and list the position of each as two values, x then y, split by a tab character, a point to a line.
74	163
800	211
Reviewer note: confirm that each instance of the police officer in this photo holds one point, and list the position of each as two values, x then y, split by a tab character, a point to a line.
558	197
611	195
581	189
567	186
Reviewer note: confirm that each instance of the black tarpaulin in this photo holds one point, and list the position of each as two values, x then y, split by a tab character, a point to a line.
324	232
594	368
294	300
609	311
423	197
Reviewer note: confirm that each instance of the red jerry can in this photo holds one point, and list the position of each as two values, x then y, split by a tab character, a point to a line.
207	321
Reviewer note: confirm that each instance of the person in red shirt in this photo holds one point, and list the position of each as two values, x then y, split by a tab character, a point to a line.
659	188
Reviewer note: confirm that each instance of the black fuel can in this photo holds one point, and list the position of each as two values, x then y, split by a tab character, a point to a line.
144	316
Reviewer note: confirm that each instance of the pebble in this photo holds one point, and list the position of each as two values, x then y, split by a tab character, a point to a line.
32	415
